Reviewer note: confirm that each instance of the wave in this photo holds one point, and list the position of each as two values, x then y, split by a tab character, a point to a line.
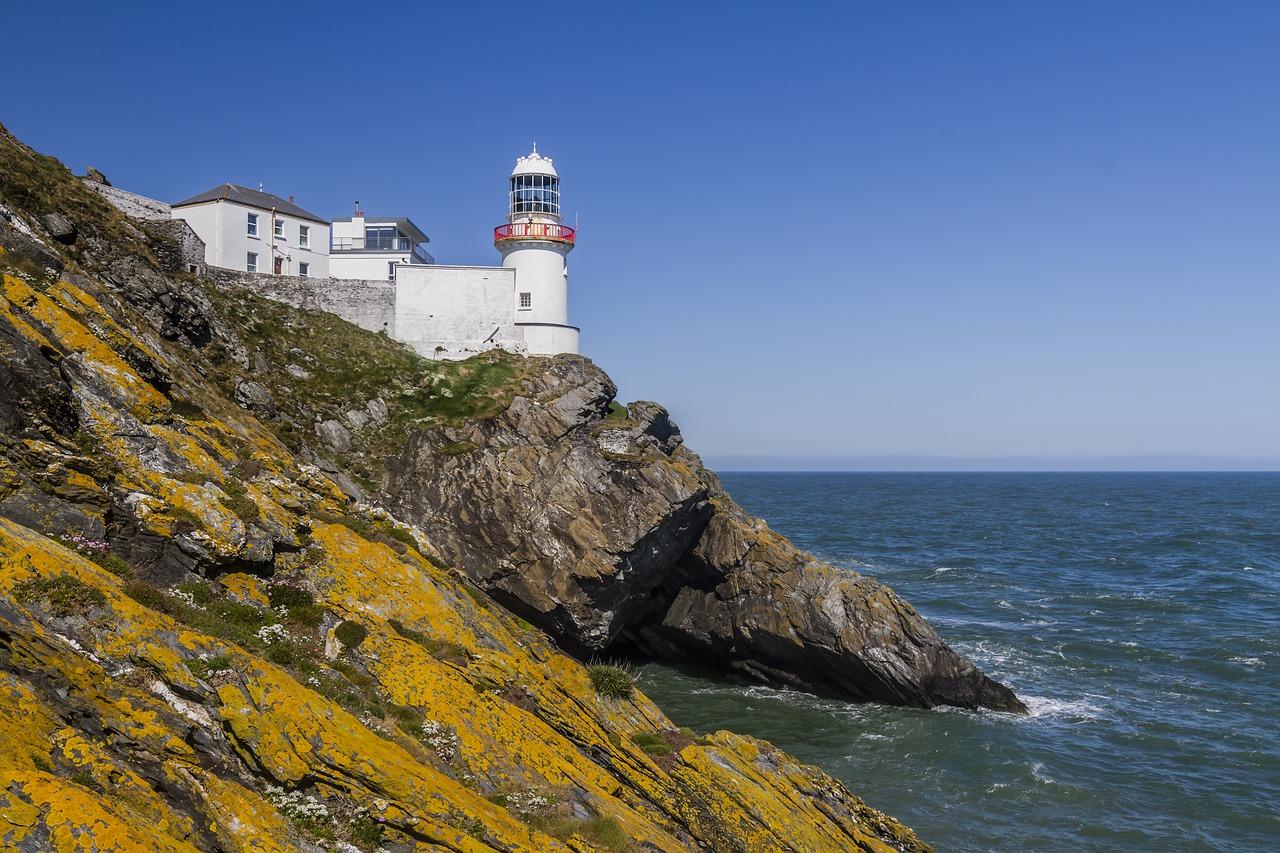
1041	707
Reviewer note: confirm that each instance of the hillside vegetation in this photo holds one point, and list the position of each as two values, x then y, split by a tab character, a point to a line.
211	638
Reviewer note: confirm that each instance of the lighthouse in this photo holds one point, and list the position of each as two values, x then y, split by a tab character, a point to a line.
536	245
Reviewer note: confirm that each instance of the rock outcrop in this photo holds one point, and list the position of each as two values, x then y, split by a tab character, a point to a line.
600	526
209	643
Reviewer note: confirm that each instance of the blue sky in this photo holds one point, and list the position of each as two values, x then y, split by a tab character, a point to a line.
864	234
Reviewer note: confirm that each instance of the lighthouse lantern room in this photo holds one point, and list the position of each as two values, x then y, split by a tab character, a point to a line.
536	245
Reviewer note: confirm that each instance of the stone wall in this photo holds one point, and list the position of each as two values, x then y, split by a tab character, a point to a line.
368	304
183	250
132	204
442	312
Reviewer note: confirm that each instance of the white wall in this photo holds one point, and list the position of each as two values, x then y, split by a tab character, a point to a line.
542	272
223	226
456	312
550	340
362	265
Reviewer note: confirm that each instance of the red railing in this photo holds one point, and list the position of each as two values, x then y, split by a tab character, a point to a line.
533	231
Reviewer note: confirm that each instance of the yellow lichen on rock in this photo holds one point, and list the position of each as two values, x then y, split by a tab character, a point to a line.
39	811
89	352
26	725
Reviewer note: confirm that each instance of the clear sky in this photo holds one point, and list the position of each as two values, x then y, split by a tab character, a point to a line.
861	234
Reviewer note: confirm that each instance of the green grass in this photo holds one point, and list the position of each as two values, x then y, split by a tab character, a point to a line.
652	744
457	448
86	780
298	603
350	634
111	563
181	515
67	596
238	501
201	668
37	184
200	593
438	648
613	682
350	366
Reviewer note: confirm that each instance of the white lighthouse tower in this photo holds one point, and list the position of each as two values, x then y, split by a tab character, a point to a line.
535	245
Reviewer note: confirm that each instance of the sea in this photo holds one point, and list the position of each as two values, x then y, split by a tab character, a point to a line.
1137	615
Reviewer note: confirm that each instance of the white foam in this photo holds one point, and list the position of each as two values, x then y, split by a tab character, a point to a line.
1248	661
1044	706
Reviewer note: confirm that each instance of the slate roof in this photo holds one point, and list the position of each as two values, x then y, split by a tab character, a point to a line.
251	198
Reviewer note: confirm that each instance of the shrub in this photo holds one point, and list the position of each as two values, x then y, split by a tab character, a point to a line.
86	780
366	833
111	563
67	595
300	603
199	593
187	410
182	515
611	681
238	501
203	667
399	535
438	648
652	744
477	595
457	448
350	634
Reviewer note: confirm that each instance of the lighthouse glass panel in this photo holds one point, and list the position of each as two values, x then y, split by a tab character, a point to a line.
535	194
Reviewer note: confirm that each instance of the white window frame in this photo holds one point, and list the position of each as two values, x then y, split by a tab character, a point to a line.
391	270
279	229
251	225
304	269
251	261
526	300
304	236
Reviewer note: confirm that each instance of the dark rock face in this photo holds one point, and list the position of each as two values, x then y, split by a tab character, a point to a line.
179	311
59	227
609	533
255	397
33	391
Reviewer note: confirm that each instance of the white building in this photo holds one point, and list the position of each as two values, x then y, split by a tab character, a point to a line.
254	231
368	248
379	276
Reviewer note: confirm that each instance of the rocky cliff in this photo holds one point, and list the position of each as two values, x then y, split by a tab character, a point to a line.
596	523
213	637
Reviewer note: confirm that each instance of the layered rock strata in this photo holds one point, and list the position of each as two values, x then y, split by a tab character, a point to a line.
599	525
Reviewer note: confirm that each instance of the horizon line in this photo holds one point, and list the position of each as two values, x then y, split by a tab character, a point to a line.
905	463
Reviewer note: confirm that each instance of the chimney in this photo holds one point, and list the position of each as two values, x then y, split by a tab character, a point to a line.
290	199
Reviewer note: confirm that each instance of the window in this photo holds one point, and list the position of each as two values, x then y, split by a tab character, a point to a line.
252	229
535	194
279	229
304	270
391	270
251	262
304	237
383	237
526	300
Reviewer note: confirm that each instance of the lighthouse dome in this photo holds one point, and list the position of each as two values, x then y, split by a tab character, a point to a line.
534	164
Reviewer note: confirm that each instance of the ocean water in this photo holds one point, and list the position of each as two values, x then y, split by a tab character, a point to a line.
1138	615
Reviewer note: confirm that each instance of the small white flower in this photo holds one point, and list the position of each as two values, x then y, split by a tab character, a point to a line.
272	633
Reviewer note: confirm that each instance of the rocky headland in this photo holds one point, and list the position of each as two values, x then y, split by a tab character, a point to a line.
270	582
